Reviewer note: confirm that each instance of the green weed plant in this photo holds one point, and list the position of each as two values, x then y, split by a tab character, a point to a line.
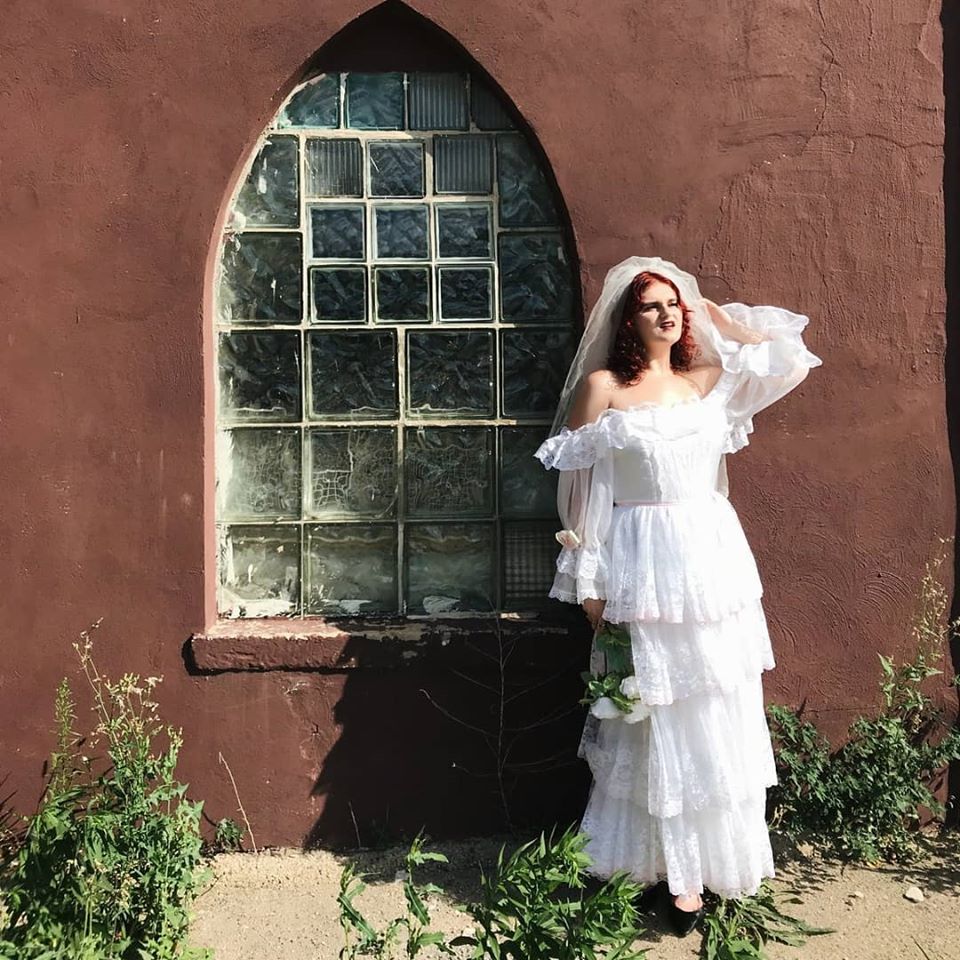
740	929
534	905
227	836
864	800
108	866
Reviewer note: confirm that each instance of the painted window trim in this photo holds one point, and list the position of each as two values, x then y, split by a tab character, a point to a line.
287	645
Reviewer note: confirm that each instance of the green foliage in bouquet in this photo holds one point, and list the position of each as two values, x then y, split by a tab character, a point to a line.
613	642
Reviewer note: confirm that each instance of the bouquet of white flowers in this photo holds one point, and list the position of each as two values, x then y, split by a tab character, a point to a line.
614	694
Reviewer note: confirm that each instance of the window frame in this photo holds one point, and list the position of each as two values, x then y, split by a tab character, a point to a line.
302	622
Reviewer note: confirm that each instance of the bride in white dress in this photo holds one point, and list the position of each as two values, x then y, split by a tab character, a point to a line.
664	384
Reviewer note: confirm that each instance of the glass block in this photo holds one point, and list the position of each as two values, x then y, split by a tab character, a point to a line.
403	294
448	472
466	293
438	101
334	168
526	199
526	488
529	564
535	282
339	294
260	277
463	231
337	232
259	376
463	164
396	169
259	571
351	473
375	101
353	375
486	108
450	374
258	474
270	196
449	567
351	570
402	232
535	364
315	104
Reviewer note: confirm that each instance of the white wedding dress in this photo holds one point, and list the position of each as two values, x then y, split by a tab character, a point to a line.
681	794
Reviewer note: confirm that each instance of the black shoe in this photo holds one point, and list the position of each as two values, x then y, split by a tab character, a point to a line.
651	896
682	921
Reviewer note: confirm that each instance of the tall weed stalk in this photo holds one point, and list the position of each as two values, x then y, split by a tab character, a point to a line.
109	864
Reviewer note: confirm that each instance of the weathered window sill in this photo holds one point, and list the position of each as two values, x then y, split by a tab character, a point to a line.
295	645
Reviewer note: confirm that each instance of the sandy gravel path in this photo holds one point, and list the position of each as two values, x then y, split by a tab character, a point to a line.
281	905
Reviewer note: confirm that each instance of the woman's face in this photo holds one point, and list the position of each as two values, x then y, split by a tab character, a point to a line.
658	318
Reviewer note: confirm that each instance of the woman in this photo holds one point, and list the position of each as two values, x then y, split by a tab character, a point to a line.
663	385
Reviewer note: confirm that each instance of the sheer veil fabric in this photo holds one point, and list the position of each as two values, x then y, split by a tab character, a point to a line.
681	794
601	325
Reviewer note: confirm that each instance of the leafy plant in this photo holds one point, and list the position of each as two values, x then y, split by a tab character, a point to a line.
533	907
108	865
361	939
864	800
227	835
739	929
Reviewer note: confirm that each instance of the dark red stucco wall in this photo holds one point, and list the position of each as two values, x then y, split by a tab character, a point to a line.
787	152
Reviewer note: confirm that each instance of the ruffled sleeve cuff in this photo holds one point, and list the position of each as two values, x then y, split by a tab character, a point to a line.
581	575
780	354
570	449
756	375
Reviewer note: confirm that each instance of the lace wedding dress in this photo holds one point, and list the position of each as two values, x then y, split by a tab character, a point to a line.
681	794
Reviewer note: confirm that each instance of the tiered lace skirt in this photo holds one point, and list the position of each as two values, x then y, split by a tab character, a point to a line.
682	794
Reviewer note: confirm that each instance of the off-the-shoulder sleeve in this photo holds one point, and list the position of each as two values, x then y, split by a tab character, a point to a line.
758	374
585	506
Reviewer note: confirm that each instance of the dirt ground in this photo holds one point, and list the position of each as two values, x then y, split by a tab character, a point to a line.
281	904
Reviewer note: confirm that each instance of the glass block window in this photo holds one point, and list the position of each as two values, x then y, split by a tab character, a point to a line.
394	320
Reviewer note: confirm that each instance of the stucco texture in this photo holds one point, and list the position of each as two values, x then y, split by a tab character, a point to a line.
787	152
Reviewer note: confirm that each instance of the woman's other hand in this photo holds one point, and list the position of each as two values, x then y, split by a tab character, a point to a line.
729	327
594	611
721	319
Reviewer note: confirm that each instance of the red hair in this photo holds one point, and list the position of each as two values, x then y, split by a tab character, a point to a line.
628	356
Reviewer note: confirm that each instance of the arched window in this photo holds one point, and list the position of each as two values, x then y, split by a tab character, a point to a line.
394	310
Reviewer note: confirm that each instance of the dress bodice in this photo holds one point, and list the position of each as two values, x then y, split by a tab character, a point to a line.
672	464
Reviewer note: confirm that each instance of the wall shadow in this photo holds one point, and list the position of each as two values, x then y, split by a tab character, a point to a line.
474	733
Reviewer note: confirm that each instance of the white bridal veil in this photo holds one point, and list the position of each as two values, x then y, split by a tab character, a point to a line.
601	326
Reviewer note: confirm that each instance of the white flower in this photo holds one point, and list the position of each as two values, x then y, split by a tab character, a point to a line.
630	688
605	709
639	711
567	539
